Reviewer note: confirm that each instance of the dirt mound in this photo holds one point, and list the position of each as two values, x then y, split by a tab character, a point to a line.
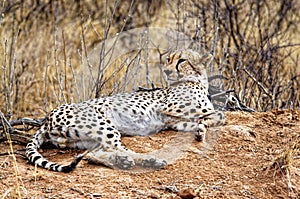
256	156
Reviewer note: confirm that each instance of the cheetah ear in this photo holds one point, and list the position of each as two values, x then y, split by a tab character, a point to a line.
202	62
200	66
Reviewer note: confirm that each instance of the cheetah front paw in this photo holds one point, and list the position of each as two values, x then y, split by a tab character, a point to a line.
111	159
199	136
200	133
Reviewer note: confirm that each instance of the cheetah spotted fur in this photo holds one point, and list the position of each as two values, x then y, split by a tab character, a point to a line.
96	125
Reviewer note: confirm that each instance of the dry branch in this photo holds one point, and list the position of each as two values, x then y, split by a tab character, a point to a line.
258	83
19	134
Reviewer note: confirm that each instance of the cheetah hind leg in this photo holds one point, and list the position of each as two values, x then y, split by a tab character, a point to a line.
124	159
112	159
148	161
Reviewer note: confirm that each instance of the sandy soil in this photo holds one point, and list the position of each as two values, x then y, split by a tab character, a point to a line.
238	166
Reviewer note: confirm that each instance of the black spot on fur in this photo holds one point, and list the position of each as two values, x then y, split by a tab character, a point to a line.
44	163
110	129
89	126
68	134
35	158
77	133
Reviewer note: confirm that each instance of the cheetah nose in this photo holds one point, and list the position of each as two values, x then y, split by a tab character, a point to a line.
168	72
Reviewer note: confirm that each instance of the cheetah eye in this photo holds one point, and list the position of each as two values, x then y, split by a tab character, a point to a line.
168	60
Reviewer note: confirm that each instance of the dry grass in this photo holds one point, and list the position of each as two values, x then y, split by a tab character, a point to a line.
287	167
18	191
47	49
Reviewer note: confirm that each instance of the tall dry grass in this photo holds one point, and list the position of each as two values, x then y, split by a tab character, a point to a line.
46	46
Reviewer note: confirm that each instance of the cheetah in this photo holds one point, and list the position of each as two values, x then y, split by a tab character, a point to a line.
96	125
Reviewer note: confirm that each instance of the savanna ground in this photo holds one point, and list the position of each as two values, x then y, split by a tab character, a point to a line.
254	157
54	52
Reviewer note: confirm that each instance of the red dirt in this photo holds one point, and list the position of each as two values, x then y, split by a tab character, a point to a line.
238	166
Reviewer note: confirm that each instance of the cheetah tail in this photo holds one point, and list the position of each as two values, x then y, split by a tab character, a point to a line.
36	158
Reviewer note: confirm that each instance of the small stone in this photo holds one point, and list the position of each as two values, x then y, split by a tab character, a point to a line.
187	193
154	195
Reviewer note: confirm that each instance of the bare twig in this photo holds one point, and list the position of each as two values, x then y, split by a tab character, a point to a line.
23	121
258	83
17	134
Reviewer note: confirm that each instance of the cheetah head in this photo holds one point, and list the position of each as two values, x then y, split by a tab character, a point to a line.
187	65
